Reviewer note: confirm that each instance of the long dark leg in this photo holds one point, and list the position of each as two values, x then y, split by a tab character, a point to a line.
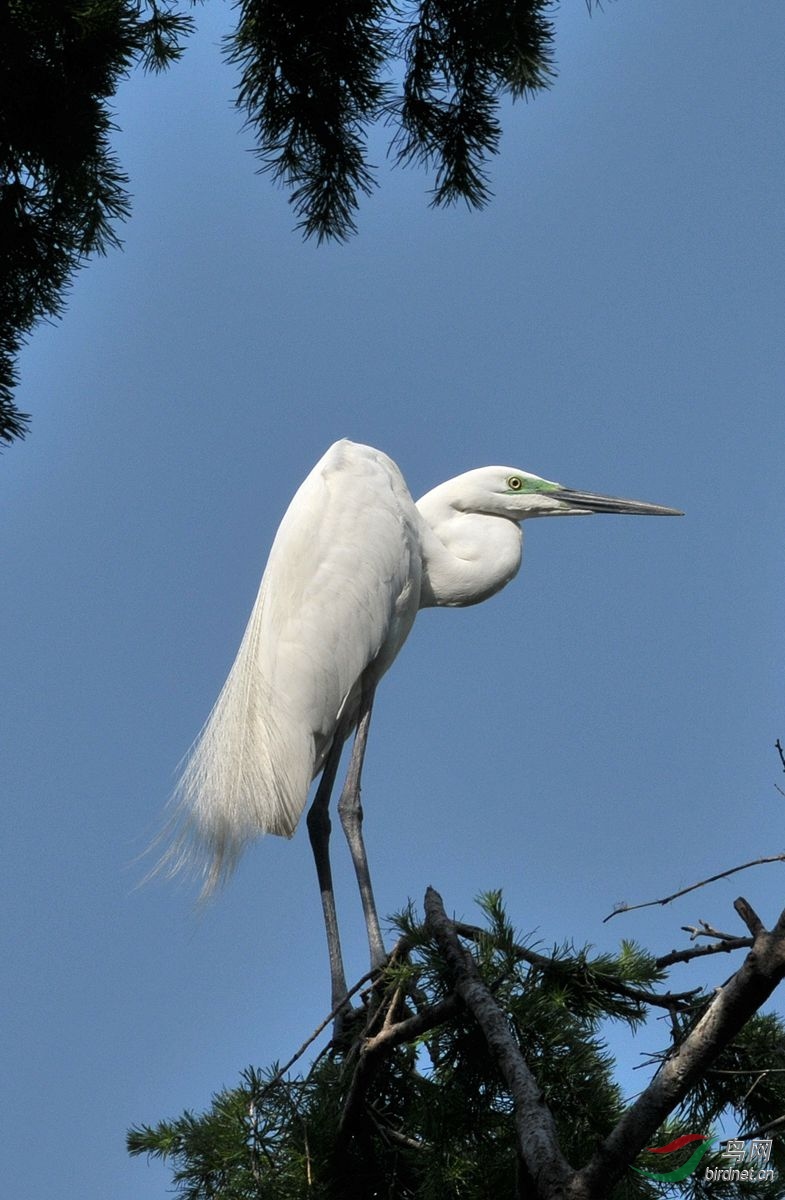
351	814
319	833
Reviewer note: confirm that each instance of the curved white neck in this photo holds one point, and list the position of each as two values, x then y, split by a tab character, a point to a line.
466	556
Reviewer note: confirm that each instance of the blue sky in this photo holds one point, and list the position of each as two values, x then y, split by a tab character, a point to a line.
603	730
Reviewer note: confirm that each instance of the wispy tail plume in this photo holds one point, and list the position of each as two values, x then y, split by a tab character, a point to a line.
247	773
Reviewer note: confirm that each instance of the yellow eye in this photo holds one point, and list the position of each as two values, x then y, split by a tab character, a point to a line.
515	483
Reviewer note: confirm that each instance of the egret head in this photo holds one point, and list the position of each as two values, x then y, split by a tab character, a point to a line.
515	494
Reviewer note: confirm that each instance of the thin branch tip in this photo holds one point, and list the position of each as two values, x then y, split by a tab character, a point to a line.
662	901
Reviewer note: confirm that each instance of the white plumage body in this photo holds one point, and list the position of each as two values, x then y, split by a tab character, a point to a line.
324	614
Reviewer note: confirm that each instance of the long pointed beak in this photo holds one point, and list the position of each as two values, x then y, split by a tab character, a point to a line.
591	502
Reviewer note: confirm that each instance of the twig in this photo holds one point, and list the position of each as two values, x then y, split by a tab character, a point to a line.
755	862
669	1000
414	1026
279	1074
751	1088
389	1131
704	929
400	946
307	1148
678	956
746	1071
777	1123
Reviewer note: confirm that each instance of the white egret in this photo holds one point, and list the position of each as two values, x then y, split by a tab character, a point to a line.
353	560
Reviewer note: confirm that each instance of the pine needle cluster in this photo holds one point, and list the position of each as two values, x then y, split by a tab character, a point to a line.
314	79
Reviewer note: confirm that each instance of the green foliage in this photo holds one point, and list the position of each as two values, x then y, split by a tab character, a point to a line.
313	79
61	188
427	1115
459	58
310	85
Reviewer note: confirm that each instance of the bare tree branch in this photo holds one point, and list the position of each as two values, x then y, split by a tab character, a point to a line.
537	1137
704	929
755	862
279	1074
732	1006
781	751
723	947
749	916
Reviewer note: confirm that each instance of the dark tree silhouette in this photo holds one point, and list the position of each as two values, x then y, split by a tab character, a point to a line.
313	79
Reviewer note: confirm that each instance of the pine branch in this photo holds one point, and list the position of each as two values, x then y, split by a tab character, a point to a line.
512	1053
313	84
612	986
